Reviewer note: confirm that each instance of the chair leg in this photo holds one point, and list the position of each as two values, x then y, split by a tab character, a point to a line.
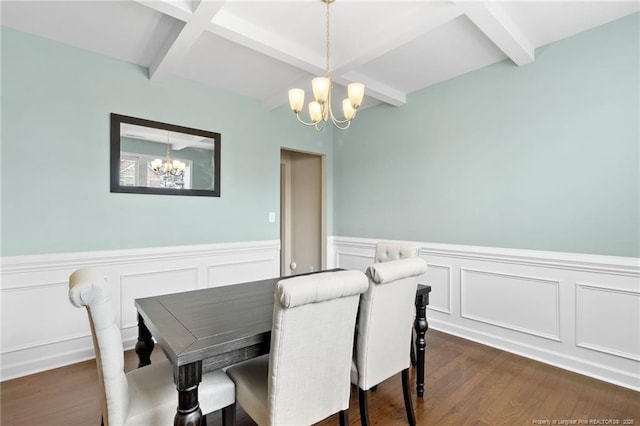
407	397
344	417
364	407
412	353
229	415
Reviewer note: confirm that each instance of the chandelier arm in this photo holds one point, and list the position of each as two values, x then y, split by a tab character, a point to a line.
341	124
336	120
304	122
329	110
326	107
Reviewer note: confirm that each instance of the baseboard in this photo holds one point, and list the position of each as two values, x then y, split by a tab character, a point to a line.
577	365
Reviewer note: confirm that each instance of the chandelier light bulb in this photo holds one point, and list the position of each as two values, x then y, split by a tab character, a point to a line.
315	111
347	109
321	87
356	94
296	99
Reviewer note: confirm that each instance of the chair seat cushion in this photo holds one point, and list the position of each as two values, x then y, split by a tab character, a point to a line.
251	378
154	397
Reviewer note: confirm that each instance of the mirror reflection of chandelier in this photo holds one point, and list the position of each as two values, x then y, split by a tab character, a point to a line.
171	172
320	110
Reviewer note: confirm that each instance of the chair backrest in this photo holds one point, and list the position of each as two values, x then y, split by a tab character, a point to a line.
385	319
387	251
88	288
311	346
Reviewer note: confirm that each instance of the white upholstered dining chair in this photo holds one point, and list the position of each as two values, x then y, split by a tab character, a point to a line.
305	378
386	251
148	395
384	326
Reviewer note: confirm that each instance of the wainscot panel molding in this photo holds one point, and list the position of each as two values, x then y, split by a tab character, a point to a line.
575	311
41	330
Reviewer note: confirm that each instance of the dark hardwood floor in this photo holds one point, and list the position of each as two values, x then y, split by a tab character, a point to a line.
466	383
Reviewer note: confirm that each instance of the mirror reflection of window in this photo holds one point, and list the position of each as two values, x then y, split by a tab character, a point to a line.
136	170
128	170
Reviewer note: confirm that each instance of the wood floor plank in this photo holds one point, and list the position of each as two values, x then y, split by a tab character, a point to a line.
466	383
478	392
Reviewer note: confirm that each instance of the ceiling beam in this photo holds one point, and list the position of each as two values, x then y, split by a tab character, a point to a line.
374	88
178	44
497	25
210	16
259	39
244	33
389	39
414	26
177	10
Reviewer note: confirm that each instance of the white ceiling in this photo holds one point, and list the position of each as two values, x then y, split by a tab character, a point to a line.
260	49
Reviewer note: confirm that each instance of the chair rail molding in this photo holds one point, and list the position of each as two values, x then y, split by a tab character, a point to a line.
58	334
580	312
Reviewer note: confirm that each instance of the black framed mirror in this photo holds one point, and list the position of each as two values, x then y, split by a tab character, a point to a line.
149	157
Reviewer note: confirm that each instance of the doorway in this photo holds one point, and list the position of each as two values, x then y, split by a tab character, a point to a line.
303	236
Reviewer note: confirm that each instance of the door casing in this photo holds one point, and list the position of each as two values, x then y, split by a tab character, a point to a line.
303	236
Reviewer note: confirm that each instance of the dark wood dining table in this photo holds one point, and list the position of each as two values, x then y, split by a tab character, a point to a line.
203	330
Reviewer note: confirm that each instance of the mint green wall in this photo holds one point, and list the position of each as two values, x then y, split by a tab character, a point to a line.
56	102
544	156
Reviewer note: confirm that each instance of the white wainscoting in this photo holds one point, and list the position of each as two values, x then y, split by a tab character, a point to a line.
575	311
578	312
42	330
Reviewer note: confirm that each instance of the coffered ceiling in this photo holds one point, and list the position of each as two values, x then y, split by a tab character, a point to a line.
260	49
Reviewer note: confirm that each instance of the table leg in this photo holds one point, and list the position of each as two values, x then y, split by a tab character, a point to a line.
421	325
189	413
145	344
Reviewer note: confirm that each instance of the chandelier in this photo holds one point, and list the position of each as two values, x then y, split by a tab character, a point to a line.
320	110
171	172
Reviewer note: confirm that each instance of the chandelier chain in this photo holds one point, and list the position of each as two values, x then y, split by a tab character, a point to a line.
328	72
